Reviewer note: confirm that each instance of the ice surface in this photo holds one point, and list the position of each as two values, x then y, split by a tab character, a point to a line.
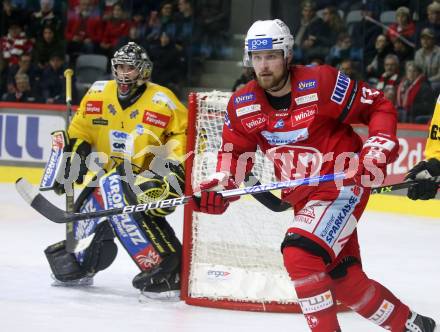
402	252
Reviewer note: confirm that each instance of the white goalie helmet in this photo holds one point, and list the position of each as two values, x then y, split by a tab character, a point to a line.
267	35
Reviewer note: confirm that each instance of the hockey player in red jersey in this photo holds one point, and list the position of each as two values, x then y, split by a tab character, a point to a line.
301	117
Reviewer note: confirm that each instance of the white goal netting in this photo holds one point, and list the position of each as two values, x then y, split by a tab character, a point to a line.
235	256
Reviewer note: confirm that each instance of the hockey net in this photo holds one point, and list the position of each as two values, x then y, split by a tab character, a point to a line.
231	260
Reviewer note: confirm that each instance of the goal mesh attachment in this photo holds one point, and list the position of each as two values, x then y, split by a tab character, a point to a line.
232	260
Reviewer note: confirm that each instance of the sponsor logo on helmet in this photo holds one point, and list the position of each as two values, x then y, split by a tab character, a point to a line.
247	97
260	44
94	107
248	109
254	122
306	85
306	99
341	88
287	137
155	119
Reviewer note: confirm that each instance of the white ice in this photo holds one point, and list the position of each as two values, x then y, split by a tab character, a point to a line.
402	252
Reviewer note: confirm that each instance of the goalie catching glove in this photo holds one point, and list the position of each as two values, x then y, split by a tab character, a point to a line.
82	149
426	187
377	152
210	201
152	187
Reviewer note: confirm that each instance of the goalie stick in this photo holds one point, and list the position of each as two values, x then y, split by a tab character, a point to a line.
42	205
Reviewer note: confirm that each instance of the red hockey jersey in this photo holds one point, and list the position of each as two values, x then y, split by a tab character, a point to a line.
313	136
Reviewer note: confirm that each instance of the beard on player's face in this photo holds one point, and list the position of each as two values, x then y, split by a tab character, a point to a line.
268	79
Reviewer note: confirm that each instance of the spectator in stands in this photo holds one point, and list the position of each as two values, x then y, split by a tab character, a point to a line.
415	98
428	58
3	75
23	92
84	30
167	61
314	37
432	22
11	14
45	46
14	44
44	17
404	26
163	22
213	19
403	51
186	26
390	76
375	66
343	49
333	22
26	66
348	68
364	33
134	35
53	82
115	27
390	93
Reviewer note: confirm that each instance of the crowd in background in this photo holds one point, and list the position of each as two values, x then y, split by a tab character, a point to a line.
39	39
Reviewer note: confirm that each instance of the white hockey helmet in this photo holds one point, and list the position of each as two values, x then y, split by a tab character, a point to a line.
267	35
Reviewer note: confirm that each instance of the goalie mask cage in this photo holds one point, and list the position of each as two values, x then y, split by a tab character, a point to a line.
233	260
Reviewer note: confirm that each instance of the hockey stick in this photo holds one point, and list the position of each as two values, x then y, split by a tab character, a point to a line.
42	205
71	243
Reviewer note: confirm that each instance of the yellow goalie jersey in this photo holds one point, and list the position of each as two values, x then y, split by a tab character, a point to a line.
155	124
432	149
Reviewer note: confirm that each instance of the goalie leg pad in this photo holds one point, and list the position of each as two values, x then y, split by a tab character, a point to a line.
97	257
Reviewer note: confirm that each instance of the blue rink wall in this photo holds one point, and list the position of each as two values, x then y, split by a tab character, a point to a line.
25	147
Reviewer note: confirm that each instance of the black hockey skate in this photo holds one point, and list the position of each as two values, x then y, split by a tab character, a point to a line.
162	282
419	323
81	282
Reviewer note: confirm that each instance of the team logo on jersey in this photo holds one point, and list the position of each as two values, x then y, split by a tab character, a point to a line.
134	114
121	142
254	122
111	109
227	121
94	107
155	119
248	109
306	85
279	124
304	114
341	88
100	122
285	137
247	97
162	98
306	99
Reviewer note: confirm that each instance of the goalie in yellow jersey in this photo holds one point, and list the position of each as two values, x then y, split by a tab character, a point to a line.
135	131
427	172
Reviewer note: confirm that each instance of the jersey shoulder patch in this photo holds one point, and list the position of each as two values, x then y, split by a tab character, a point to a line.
98	87
161	97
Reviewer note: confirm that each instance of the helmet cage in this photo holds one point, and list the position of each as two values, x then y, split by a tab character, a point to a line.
135	56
